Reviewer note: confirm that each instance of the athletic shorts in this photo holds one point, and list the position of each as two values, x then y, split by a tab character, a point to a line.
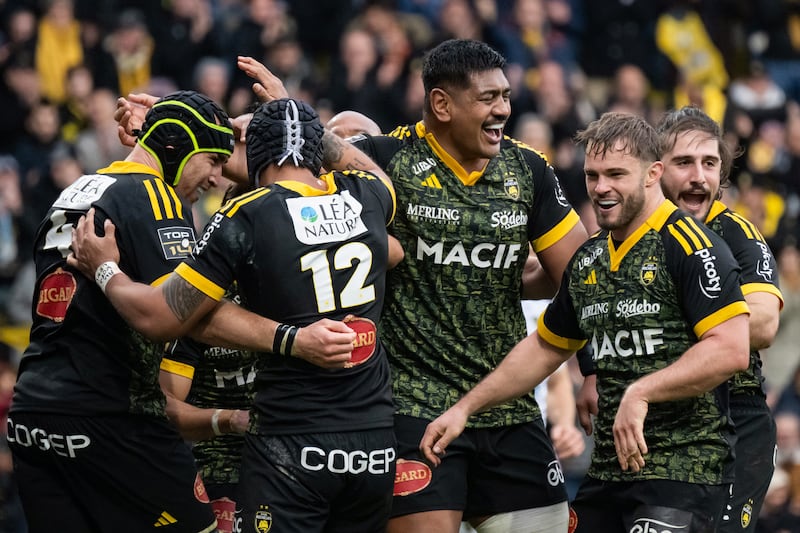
755	462
106	473
484	472
649	505
332	482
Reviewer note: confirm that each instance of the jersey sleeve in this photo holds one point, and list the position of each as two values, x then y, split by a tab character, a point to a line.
551	216
758	265
182	356
218	254
558	325
705	273
381	148
376	186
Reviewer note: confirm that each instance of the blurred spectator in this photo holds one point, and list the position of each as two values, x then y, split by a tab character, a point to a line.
629	93
781	360
777	43
96	56
11	211
97	146
12	519
758	95
18	36
58	47
183	35
212	77
775	516
74	112
131	46
42	130
19	93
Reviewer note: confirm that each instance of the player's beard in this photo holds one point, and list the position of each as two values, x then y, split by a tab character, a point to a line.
630	207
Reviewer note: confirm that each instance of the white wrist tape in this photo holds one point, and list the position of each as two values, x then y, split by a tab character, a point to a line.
104	273
215	422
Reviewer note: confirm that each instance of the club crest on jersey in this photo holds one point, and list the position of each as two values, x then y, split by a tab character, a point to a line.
747	514
366	337
410	477
511	187
649	271
55	295
177	242
263	519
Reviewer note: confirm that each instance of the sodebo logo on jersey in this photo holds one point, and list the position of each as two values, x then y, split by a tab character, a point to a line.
634	307
711	284
482	255
344	462
625	343
212	225
508	219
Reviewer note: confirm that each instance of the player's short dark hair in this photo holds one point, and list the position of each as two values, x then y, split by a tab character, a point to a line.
637	136
451	63
281	131
182	124
691	118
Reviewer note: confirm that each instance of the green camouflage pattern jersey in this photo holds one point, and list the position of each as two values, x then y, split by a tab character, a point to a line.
83	358
759	274
641	304
222	378
452	307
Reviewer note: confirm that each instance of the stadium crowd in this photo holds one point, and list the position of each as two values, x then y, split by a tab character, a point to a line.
64	63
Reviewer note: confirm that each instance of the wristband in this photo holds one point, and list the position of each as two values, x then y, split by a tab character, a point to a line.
104	273
215	423
284	339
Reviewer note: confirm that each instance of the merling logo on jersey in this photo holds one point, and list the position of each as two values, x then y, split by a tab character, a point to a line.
710	284
324	219
634	307
508	219
624	343
440	215
483	255
599	308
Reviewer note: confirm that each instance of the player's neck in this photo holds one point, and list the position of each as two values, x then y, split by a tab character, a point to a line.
275	174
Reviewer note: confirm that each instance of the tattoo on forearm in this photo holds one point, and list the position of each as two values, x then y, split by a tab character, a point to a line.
182	298
332	150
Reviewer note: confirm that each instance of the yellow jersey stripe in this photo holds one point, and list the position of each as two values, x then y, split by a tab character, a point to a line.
162	279
177	202
178	368
688	232
717	318
681	240
564	343
200	282
700	233
750	288
555	234
162	191
239	202
148	185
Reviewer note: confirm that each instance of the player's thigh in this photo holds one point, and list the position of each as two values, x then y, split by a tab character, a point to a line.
418	488
755	464
130	472
514	468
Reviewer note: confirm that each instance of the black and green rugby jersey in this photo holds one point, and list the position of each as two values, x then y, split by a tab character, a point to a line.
299	254
221	378
759	274
83	358
642	304
453	304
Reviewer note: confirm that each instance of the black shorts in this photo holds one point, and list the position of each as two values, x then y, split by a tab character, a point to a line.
649	505
755	462
485	471
332	482
106	473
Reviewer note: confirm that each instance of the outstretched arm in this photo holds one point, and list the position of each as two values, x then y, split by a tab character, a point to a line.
525	366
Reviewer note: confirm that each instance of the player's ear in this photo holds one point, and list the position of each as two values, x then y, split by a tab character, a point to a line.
441	104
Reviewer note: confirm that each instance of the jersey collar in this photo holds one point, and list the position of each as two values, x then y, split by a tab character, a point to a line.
467	178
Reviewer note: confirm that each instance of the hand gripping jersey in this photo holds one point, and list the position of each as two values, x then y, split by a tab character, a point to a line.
759	274
83	358
641	304
300	254
453	304
222	378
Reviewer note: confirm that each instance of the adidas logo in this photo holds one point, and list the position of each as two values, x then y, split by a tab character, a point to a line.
591	280
164	520
432	181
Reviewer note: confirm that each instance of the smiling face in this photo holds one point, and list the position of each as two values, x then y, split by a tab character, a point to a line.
617	184
202	171
477	116
692	173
